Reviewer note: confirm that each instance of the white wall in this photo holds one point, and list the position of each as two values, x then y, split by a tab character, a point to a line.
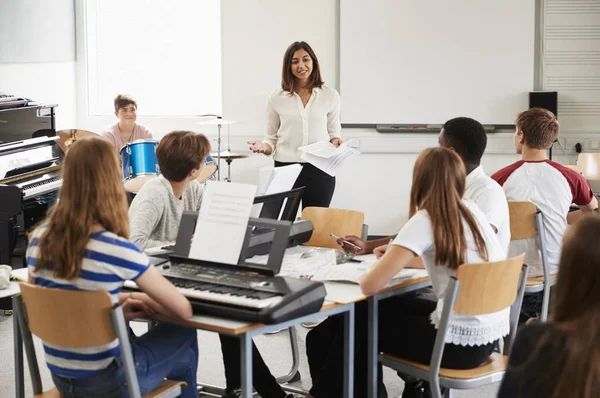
48	83
255	34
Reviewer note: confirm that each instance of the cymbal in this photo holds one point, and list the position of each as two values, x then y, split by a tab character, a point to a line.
229	155
67	137
215	121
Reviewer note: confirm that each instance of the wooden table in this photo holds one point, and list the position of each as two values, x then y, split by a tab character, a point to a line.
245	331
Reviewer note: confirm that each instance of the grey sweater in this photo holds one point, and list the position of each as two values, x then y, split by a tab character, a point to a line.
155	212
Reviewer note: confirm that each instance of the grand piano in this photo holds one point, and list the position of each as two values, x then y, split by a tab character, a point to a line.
29	171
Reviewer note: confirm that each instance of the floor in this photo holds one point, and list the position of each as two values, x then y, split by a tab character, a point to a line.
275	348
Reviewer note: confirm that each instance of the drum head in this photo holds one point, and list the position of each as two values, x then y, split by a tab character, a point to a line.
207	172
135	184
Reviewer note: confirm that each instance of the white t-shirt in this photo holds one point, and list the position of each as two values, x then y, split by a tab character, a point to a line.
553	188
417	236
489	197
290	125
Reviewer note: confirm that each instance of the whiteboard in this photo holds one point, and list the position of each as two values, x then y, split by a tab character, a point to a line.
426	61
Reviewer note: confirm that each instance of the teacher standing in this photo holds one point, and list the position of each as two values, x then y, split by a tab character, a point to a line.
303	111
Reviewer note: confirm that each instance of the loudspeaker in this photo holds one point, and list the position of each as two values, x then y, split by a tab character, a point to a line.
544	99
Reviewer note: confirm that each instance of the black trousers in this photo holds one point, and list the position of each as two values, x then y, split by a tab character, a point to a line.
404	330
263	381
319	186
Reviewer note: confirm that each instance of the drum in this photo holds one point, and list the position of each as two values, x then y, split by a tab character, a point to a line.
208	171
139	163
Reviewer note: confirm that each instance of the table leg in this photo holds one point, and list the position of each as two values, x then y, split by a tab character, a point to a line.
18	342
373	331
349	353
246	358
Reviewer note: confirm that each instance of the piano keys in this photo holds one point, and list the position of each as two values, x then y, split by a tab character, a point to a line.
29	182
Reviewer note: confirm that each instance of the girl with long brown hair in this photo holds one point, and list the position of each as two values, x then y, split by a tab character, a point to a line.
446	231
82	245
561	358
302	112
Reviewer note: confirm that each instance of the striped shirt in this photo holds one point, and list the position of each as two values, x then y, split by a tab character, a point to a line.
108	261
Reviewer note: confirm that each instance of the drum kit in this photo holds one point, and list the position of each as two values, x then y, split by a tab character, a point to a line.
139	162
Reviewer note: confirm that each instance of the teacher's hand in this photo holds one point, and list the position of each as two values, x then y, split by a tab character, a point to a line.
259	147
336	141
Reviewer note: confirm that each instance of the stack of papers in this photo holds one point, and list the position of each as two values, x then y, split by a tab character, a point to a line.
326	157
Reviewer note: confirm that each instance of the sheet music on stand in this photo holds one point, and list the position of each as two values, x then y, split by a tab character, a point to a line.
326	157
275	180
222	222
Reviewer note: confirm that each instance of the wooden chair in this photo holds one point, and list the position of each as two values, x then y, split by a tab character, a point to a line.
477	289
337	221
526	222
72	318
589	165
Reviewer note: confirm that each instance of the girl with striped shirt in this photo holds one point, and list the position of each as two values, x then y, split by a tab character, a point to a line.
82	245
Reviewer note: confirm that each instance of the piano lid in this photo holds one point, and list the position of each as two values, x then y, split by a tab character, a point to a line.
25	156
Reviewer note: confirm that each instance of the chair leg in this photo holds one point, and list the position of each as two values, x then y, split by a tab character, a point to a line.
448	393
545	303
434	387
293	373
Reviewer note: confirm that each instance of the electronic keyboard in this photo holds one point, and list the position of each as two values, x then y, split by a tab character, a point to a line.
246	296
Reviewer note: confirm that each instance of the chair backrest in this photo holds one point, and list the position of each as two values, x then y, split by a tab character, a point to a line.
337	221
488	287
68	318
589	165
522	225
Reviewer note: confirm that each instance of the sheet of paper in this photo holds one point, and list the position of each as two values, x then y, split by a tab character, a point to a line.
342	293
283	178
21	274
326	157
222	222
341	273
280	179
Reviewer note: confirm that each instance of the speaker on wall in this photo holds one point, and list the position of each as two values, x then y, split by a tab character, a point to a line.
544	99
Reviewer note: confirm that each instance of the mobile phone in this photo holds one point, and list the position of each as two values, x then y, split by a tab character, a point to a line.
345	241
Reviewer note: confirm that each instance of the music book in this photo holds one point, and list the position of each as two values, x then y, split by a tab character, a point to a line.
326	157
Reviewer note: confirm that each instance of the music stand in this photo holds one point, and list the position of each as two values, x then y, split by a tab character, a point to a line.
273	203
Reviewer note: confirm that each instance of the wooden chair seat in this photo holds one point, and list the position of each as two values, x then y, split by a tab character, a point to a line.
165	387
496	363
53	393
538	280
161	390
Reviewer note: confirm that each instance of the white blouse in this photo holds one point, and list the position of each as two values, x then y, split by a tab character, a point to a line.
472	330
291	125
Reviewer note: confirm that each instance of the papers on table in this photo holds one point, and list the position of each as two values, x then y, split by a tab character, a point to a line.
353	273
222	222
301	261
325	156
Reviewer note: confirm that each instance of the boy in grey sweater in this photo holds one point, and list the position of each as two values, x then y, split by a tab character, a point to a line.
156	210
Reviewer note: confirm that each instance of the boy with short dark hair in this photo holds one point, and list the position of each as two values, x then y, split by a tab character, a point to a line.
126	130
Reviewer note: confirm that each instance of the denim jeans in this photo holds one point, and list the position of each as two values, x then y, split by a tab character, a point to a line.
167	351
